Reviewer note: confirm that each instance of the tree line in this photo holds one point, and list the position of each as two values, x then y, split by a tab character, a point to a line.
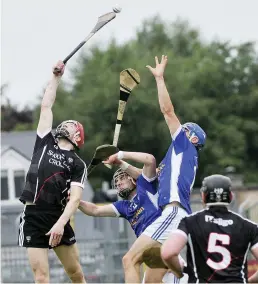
214	84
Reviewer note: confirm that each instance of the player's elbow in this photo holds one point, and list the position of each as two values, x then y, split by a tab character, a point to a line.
151	159
169	115
46	105
167	109
96	212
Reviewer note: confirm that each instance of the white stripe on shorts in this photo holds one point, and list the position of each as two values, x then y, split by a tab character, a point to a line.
161	228
165	224
21	233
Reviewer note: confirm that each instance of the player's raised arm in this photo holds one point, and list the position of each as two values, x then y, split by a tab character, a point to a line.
165	103
46	115
92	209
149	161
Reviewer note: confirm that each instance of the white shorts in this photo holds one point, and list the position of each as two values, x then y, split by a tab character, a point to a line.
160	229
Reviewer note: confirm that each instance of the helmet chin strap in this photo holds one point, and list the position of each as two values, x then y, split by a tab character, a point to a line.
68	139
74	145
125	193
64	134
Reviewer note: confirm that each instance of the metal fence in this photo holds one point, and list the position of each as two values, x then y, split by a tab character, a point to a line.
100	260
102	243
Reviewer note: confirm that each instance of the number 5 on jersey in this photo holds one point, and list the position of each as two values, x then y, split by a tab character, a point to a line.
213	247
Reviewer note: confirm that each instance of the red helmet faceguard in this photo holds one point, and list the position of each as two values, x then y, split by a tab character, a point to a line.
62	132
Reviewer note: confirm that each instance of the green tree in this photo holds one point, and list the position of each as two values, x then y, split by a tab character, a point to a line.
211	83
13	118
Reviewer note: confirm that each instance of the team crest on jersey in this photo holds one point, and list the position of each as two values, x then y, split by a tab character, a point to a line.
70	160
133	205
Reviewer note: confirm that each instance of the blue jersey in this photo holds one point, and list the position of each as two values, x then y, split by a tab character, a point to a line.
177	171
143	208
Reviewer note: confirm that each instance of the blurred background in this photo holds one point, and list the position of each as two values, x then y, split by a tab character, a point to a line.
212	77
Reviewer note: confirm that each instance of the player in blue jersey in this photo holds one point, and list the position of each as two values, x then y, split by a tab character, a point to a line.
135	256
176	177
139	206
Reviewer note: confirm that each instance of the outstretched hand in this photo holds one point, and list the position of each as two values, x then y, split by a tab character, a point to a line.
158	71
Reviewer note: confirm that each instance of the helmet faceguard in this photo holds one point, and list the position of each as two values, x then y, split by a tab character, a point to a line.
122	192
63	132
194	130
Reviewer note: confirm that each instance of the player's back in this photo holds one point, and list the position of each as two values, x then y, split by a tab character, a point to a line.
218	243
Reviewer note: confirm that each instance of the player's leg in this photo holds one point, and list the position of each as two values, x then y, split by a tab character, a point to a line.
152	258
156	269
159	231
169	277
32	231
68	254
154	275
69	257
38	258
133	258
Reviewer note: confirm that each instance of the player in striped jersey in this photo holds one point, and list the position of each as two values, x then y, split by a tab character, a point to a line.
218	240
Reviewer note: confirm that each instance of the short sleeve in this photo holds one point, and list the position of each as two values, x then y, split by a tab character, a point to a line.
120	208
254	235
183	226
149	185
180	140
79	173
41	140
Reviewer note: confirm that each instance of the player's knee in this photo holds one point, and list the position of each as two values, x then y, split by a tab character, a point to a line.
164	253
41	276
127	260
75	274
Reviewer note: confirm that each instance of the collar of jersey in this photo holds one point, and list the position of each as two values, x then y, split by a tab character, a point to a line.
63	148
133	197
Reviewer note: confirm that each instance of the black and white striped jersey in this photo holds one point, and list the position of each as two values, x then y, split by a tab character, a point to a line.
218	244
51	173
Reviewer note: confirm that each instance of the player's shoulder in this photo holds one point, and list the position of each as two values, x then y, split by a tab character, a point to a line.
144	180
77	160
46	138
181	143
120	202
196	214
122	206
242	219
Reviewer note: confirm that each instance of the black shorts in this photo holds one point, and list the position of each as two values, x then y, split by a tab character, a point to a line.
35	222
